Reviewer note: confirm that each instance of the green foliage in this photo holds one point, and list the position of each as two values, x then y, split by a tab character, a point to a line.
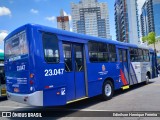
150	38
145	39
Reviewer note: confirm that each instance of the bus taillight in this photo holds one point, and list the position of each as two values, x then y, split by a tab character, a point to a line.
31	82
31	75
46	87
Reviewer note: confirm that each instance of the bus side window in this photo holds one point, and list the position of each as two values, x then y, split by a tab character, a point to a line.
103	55
98	52
146	55
140	55
93	56
112	51
50	46
124	52
120	55
93	51
136	55
79	58
132	56
67	57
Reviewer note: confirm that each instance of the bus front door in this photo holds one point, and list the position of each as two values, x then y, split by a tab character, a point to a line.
74	71
123	57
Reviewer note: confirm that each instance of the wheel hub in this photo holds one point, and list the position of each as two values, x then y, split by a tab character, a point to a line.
108	90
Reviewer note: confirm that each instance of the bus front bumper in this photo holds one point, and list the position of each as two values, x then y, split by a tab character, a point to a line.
35	99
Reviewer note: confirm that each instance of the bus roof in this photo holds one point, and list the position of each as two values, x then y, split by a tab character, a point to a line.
76	35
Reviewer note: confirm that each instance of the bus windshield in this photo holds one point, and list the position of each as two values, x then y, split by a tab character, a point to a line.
16	47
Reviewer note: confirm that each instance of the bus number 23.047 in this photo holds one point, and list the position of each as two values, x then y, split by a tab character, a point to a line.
51	72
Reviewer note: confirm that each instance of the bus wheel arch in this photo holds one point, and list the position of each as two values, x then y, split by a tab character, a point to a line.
107	89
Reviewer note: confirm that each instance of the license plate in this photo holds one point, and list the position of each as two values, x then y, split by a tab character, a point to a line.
16	90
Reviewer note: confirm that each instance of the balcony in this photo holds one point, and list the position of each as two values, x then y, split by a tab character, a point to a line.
122	21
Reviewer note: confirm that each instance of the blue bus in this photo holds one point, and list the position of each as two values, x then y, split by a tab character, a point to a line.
48	67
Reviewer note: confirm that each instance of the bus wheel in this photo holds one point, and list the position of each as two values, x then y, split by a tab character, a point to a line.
108	90
147	79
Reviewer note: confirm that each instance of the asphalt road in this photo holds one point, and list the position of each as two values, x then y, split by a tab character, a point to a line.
138	98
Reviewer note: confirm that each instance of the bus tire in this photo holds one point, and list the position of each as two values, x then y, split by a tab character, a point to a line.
107	90
147	80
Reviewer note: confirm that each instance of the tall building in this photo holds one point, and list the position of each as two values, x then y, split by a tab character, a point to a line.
150	17
126	21
91	17
63	21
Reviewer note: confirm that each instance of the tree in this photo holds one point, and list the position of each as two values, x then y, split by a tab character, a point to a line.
150	39
145	39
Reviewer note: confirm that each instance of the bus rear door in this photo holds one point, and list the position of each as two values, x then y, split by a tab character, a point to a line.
74	70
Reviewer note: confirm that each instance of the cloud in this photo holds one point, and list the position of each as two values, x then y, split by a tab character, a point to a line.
51	18
4	11
140	4
34	11
3	34
1	50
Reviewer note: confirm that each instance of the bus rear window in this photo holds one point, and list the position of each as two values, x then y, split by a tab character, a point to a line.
16	47
50	46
